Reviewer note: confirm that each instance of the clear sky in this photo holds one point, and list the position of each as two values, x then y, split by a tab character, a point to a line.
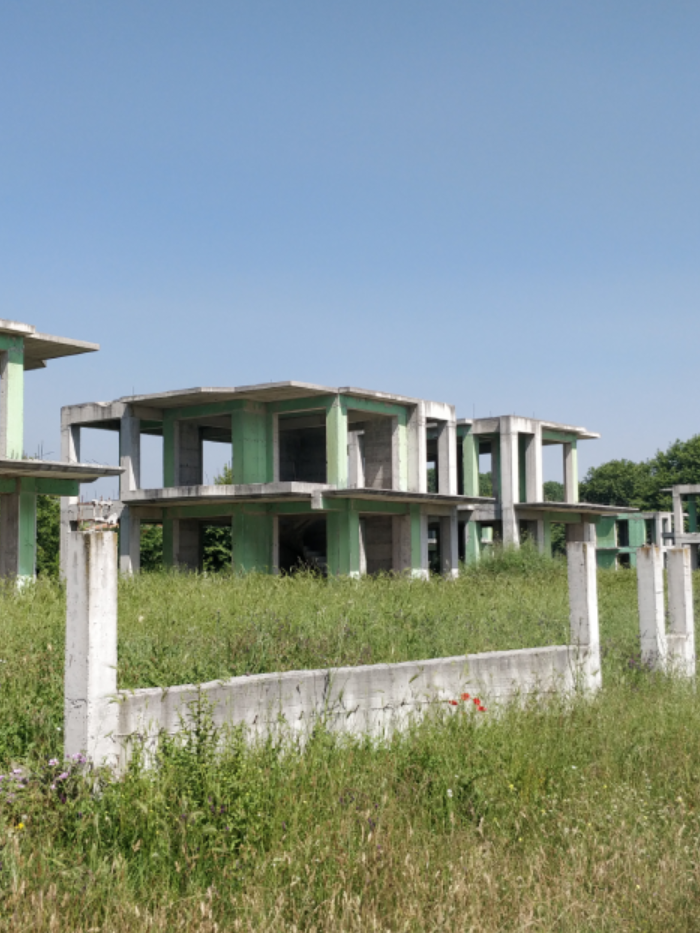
492	204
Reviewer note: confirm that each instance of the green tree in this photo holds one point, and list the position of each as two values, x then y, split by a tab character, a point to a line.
48	535
618	482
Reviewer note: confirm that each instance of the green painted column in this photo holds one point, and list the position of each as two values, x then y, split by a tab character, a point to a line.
692	515
251	539
416	517
547	531
472	549
11	396
470	464
249	435
337	443
343	542
496	465
522	468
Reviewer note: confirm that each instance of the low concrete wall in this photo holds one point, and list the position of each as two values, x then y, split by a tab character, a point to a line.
371	700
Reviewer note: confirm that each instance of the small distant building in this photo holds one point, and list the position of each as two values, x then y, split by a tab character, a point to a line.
333	478
22	348
619	536
685	518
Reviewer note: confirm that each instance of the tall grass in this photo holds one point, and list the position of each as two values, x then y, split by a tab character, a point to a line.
570	816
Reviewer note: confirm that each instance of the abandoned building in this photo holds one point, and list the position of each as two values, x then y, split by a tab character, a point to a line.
22	478
685	518
512	447
325	477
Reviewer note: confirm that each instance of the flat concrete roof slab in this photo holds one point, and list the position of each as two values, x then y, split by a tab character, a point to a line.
51	469
39	348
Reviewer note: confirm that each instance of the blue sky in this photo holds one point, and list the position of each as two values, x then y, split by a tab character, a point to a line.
496	205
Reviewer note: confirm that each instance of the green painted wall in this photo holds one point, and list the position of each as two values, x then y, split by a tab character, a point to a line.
27	529
343	542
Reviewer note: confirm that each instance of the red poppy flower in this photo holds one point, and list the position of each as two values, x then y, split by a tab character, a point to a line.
452	702
482	709
465	697
477	701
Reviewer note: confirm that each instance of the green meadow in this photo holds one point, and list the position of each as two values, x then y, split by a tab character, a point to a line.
579	814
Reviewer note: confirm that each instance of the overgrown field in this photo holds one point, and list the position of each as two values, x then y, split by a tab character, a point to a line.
564	816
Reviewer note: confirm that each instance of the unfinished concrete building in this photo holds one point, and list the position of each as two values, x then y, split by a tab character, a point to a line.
685	519
513	446
325	477
23	478
619	536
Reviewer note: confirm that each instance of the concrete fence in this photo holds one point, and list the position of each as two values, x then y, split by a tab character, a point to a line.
672	650
102	721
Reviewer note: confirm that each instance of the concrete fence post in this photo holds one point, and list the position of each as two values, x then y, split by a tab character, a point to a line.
681	635
583	611
652	616
90	715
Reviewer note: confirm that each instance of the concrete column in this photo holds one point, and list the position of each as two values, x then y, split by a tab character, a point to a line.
337	443
343	543
470	464
447	458
188	454
510	482
249	437
401	541
570	455
275	544
11	396
496	466
417	449
70	453
356	466
130	480
91	647
583	611
449	543
581	531
681	635
472	541
533	465
678	519
652	619
18	532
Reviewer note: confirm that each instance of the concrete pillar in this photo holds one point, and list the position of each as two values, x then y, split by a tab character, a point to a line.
583	611
11	397
343	543
510	482
472	541
337	443
18	532
449	544
356	466
652	619
447	458
91	646
533	465
130	480
401	541
181	543
417	449
188	454
581	531
470	464
70	453
570	454
678	519
681	635
379	453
